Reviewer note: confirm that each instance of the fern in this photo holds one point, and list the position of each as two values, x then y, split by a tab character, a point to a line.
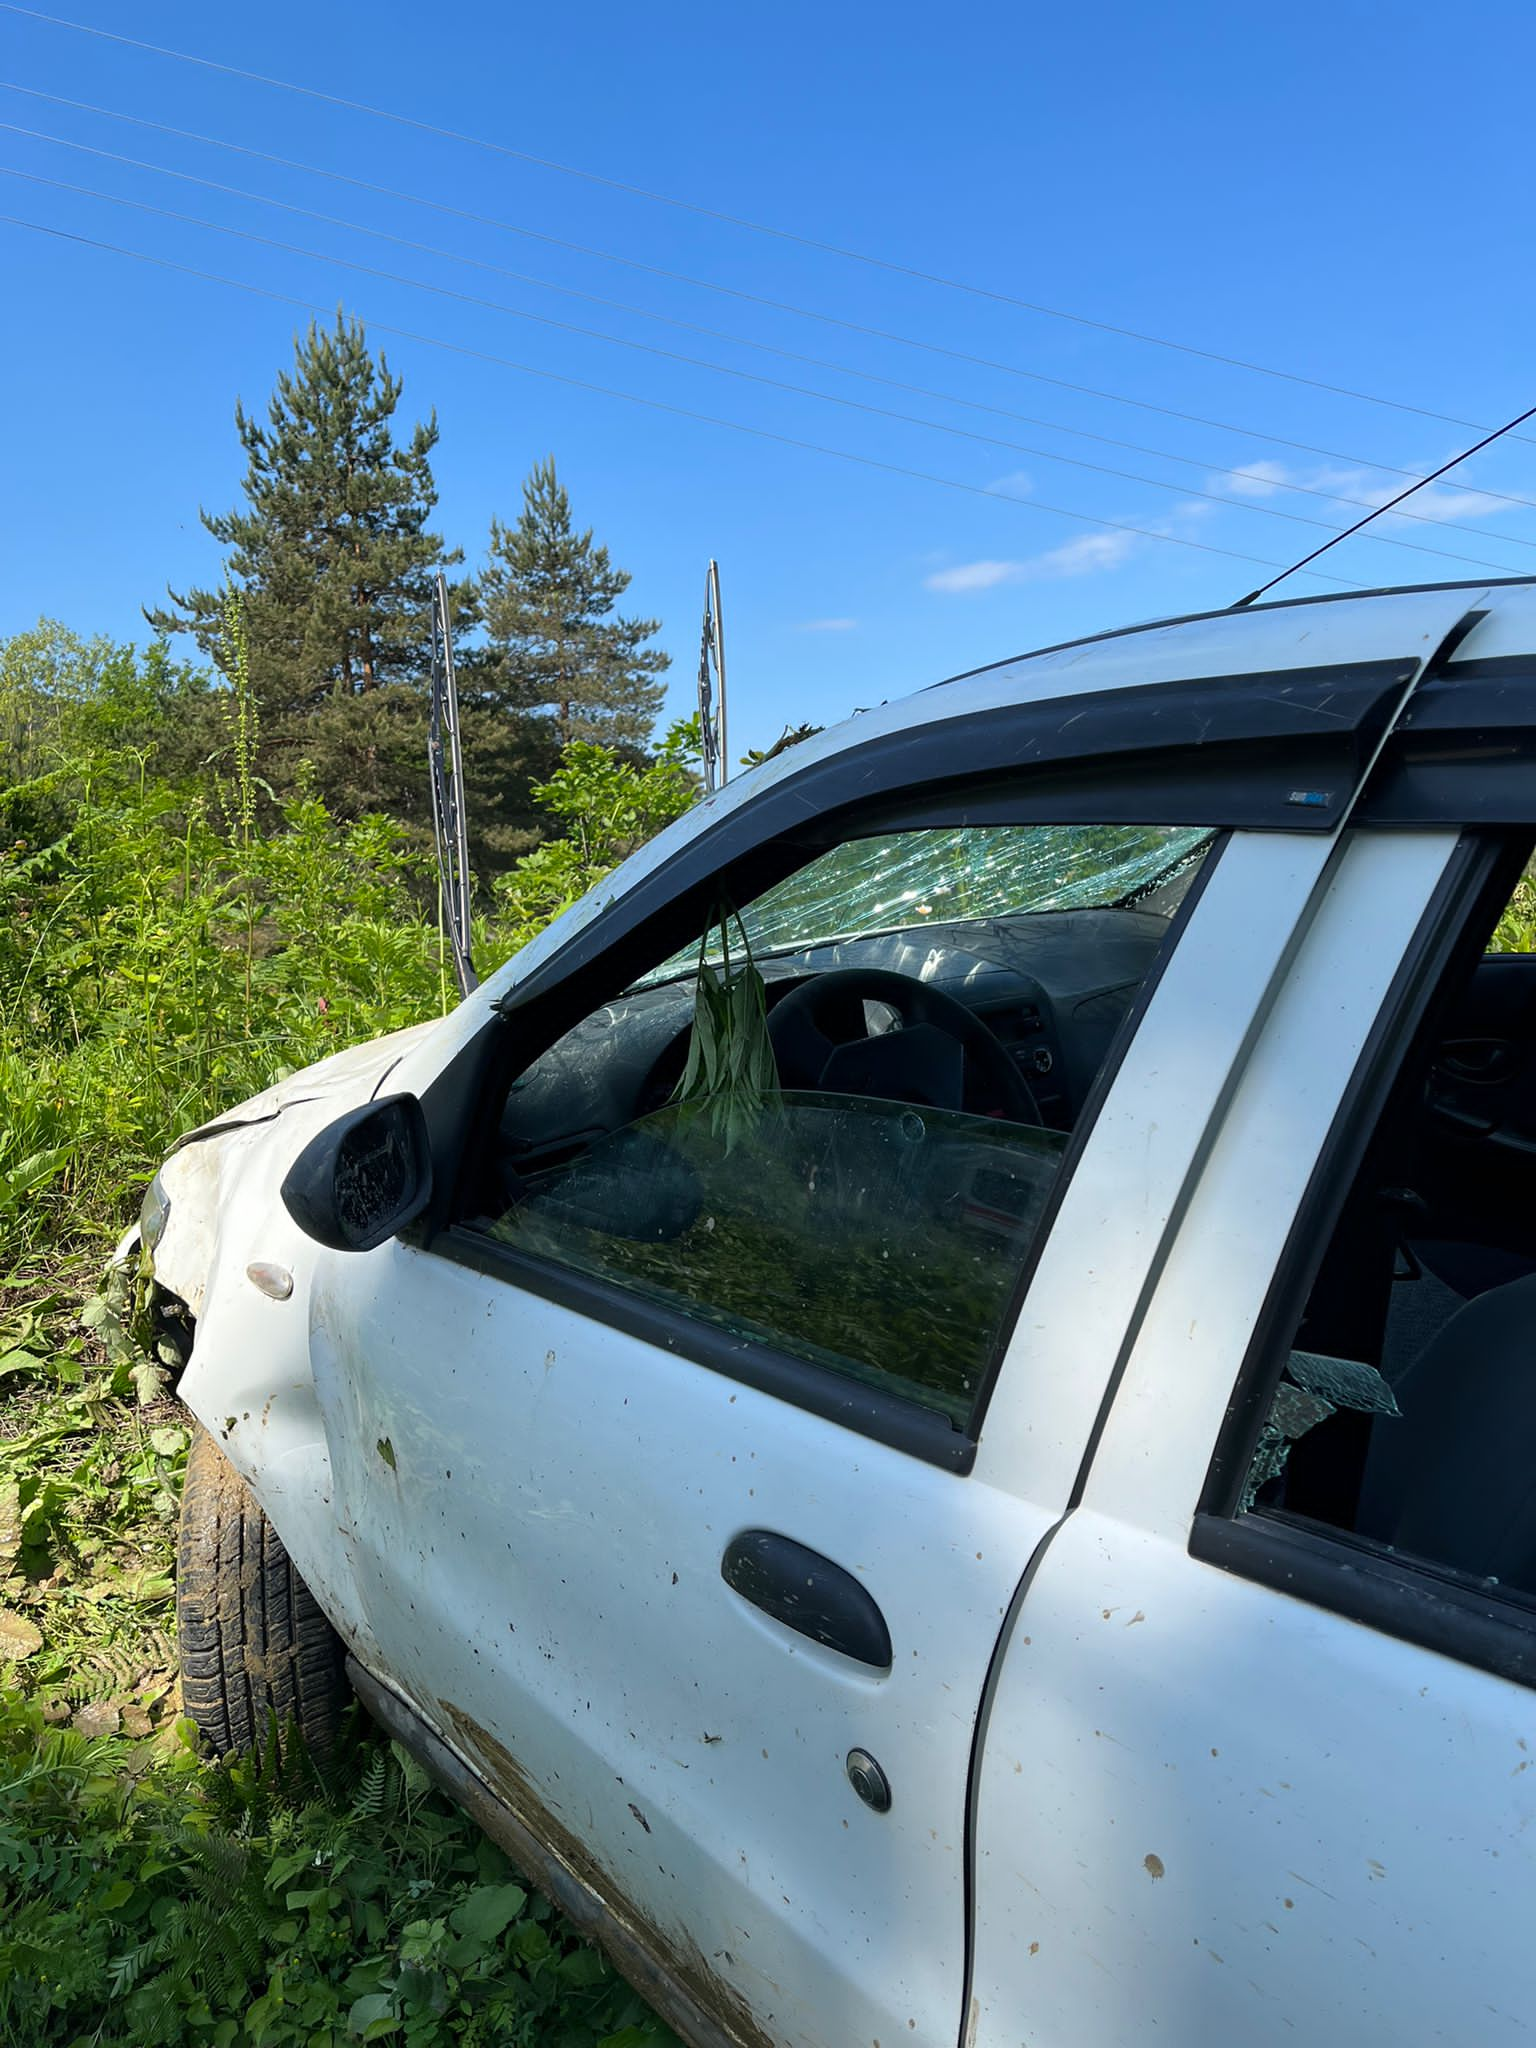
155	2009
213	1941
373	1796
128	1966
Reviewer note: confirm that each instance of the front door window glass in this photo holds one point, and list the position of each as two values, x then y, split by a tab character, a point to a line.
921	1015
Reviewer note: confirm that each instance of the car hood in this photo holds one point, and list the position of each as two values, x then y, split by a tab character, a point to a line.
353	1075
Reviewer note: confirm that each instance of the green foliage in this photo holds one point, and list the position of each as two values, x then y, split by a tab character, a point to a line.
367	754
1516	929
63	697
169	950
730	1074
556	644
608	806
334	560
169	945
89	1480
161	961
150	1901
148	1897
791	736
332	553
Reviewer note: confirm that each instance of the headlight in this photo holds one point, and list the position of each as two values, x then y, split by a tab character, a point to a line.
154	1214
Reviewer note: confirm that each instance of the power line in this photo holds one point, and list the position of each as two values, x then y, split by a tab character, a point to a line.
759	299
729	219
652	404
718	334
720	369
1487	441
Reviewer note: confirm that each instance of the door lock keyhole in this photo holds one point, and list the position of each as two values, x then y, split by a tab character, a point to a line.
869	1781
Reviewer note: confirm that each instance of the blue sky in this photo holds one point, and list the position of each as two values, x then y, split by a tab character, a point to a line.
1342	192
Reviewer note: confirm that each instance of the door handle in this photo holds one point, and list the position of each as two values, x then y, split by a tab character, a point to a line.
808	1593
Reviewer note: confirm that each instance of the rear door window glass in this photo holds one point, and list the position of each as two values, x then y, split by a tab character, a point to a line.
1405	1411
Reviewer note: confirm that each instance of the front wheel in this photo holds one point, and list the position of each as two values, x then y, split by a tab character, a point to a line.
255	1649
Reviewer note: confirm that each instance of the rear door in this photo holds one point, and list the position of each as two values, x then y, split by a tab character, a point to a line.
1278	1790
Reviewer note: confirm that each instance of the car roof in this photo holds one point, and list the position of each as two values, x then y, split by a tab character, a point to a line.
1241	653
1261	638
1319	671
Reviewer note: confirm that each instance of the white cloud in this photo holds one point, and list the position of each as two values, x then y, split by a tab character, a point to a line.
826	625
1083	556
1080	557
1253	480
1267	479
968	576
1360	490
1440	501
1090	553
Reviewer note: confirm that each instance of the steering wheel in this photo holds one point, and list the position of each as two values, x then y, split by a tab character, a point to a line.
821	1041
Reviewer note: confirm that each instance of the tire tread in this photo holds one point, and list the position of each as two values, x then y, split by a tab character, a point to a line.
253	1640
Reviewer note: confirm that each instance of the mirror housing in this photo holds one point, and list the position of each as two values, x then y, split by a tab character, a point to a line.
364	1177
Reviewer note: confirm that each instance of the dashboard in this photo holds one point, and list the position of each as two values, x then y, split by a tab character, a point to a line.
1051	986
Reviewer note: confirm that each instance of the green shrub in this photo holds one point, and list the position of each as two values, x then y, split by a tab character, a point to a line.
170	947
174	936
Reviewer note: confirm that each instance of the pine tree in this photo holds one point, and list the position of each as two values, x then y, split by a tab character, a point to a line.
556	645
331	550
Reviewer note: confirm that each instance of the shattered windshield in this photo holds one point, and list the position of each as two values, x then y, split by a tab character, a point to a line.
948	874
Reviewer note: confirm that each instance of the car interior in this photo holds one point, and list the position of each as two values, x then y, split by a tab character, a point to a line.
937	1004
1401	1414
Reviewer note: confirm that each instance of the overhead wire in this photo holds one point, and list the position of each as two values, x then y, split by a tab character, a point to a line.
864	257
655	404
723	369
1239	475
824	318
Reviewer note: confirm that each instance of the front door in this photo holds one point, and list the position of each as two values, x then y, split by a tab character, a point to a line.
658	1464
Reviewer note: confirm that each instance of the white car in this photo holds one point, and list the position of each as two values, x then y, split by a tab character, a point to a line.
1029	1533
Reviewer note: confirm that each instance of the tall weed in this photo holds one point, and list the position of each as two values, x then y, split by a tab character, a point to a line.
170	948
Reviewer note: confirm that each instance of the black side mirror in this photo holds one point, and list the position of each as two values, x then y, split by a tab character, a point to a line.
364	1177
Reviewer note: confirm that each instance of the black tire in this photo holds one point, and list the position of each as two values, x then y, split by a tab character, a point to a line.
252	1641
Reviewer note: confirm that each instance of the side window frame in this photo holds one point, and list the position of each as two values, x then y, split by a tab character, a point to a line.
1334	1569
524	1032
